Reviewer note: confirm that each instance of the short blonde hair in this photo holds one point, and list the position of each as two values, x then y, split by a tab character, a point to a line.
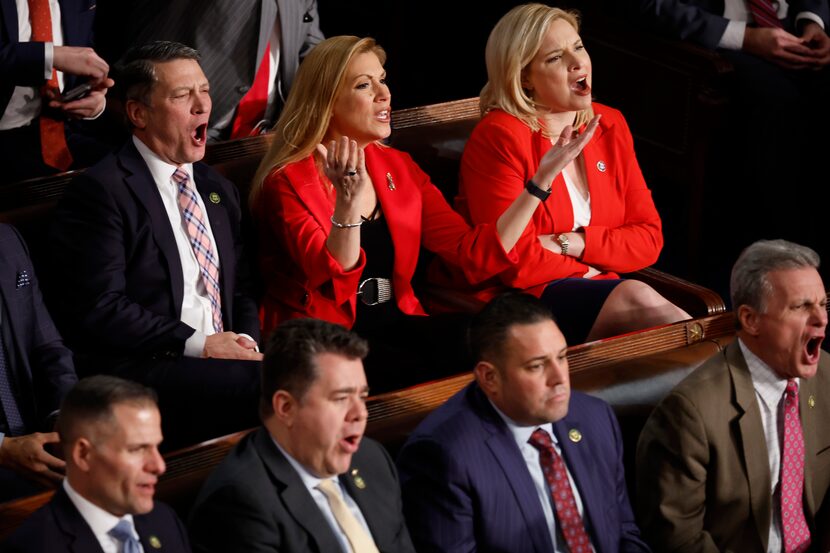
512	45
307	113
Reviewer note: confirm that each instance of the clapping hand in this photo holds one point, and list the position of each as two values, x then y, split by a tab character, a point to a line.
566	148
344	164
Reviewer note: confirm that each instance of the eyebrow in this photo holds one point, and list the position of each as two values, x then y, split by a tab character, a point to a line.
350	390
367	75
577	41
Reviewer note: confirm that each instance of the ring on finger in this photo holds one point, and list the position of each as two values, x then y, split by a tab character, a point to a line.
351	173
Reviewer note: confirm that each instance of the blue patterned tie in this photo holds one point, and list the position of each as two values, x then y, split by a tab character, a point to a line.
123	532
9	403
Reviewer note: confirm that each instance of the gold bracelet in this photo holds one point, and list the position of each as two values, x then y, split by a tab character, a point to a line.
345	225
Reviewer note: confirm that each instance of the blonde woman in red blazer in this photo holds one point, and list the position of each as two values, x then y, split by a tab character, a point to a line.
335	207
539	83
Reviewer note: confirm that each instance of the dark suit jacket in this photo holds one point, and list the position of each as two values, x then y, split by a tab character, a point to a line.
58	526
703	480
256	502
41	365
119	291
21	63
702	21
466	486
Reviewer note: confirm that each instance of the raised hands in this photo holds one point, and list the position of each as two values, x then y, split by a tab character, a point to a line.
566	148
85	62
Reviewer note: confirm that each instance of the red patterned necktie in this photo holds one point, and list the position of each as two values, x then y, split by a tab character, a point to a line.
764	13
553	467
252	106
793	525
200	242
52	137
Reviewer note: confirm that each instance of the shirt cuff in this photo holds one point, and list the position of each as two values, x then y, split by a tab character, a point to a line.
733	36
810	16
195	345
97	115
48	59
248	336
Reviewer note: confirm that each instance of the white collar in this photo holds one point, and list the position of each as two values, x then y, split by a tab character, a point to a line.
522	433
309	480
99	520
160	169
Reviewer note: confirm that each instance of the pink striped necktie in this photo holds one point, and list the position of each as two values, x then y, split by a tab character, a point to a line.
556	475
793	525
206	256
764	13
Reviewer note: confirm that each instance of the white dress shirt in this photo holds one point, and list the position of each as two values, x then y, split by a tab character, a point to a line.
197	311
24	104
769	392
100	521
531	456
311	482
738	15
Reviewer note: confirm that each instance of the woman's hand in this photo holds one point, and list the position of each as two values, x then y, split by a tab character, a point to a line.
344	164
576	243
566	148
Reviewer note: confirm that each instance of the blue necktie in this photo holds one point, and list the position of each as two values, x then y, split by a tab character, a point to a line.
123	532
9	403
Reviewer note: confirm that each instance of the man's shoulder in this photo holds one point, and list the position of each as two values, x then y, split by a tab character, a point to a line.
462	414
243	466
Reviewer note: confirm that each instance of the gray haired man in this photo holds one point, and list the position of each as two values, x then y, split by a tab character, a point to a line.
737	457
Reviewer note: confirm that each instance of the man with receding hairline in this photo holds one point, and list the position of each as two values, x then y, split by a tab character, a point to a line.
517	461
110	431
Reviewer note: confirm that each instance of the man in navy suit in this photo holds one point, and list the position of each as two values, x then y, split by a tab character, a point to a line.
26	63
110	431
38	370
517	461
148	272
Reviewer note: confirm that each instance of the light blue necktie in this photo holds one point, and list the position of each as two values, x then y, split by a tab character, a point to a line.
123	532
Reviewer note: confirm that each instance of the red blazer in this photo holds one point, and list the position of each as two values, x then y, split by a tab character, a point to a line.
625	233
302	278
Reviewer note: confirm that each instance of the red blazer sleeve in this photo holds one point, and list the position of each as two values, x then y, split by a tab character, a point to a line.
295	207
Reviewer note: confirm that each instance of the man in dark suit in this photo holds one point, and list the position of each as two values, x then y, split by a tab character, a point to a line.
517	461
737	457
36	371
110	431
307	480
32	52
148	270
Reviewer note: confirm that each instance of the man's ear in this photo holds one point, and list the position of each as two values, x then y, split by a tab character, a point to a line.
488	377
81	452
749	320
285	407
137	113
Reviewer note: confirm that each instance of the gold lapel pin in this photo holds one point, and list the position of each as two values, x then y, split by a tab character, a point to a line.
155	543
575	435
811	401
214	197
389	182
358	480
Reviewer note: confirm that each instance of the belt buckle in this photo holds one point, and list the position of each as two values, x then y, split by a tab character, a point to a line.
374	291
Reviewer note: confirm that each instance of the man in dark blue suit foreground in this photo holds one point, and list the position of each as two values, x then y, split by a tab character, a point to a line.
110	431
516	461
149	276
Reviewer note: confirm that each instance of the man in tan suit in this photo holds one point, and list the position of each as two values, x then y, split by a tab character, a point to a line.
737	457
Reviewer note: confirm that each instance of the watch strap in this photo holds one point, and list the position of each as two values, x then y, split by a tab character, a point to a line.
537	191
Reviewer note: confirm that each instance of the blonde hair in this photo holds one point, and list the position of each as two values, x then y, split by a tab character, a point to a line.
512	45
307	113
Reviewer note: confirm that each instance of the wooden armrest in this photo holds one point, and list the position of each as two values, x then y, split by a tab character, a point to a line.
696	300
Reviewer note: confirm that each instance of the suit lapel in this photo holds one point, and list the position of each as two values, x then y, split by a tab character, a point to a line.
80	538
213	199
139	179
503	446
401	207
755	458
18	365
583	471
9	9
814	416
298	501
